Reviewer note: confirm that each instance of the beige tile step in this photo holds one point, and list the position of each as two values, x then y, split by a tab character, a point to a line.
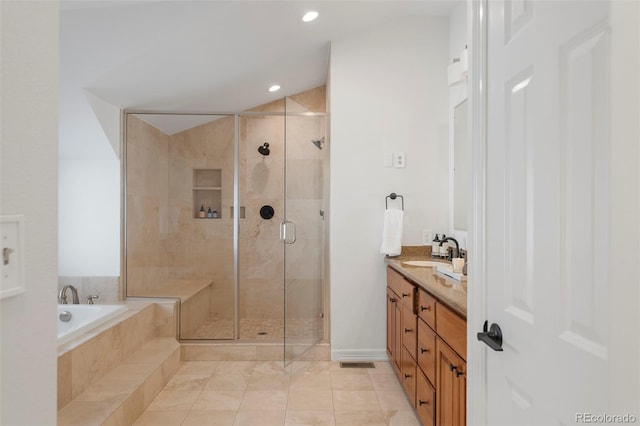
121	395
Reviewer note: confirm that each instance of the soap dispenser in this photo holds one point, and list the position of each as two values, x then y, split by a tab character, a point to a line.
209	213
435	247
202	214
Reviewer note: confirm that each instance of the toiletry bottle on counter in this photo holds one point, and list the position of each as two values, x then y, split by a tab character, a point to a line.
215	214
202	214
209	213
435	247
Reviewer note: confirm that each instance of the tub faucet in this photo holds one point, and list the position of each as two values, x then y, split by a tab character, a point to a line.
62	296
456	253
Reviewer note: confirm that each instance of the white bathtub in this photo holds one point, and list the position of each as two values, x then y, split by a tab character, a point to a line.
84	318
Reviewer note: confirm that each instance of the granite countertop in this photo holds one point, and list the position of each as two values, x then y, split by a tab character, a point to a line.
450	292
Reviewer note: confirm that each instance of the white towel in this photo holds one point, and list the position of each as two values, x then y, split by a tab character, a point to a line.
392	232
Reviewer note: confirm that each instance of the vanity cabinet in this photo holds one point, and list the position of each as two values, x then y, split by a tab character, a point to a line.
426	343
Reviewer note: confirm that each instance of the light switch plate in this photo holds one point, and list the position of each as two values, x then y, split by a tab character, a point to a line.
399	160
11	255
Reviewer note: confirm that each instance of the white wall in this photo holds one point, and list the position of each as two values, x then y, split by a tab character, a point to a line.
29	123
388	93
89	222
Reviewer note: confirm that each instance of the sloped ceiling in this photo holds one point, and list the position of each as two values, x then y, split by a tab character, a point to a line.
199	56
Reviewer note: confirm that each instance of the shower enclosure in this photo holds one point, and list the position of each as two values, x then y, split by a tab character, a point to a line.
226	213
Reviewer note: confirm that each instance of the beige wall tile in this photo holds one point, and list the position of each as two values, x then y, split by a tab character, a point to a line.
64	379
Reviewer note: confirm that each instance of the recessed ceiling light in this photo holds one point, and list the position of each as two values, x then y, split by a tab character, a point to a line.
310	16
274	88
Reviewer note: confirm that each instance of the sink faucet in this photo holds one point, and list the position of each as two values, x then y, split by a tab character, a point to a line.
62	296
456	253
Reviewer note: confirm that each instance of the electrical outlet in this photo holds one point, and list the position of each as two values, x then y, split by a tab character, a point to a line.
427	237
398	160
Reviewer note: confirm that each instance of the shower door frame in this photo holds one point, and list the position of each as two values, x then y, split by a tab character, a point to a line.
236	217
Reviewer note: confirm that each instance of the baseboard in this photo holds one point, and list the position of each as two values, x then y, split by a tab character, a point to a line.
359	355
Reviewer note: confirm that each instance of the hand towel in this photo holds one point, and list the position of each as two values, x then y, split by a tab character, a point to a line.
392	232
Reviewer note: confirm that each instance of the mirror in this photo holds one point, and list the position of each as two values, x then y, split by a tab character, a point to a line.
461	166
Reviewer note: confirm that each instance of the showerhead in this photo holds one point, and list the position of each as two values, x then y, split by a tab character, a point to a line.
264	149
318	143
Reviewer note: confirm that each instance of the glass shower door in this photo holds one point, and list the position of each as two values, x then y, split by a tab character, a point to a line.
304	227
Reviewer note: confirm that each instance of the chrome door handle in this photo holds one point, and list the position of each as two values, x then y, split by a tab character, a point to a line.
283	232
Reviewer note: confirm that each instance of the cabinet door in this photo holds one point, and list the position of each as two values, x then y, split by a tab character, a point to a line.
426	350
409	331
451	386
425	400
391	317
408	376
397	335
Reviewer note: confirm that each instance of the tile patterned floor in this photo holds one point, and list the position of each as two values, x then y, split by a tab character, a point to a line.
256	393
253	328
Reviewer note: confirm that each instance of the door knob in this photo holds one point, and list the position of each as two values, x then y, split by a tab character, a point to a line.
493	337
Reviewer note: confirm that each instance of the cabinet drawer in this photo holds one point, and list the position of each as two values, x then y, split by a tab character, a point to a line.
408	376
395	280
409	331
427	308
425	400
426	350
407	295
452	329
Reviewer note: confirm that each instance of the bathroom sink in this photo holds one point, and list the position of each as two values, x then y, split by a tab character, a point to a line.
426	263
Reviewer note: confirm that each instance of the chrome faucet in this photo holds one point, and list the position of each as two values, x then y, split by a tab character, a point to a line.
62	296
456	253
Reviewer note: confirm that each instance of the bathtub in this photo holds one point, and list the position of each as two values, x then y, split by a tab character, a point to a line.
84	318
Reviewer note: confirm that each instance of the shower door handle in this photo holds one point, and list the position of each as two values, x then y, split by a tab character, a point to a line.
283	232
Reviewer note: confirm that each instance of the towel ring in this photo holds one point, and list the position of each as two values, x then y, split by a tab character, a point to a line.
393	196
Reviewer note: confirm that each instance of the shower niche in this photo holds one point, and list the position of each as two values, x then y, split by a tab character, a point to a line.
207	193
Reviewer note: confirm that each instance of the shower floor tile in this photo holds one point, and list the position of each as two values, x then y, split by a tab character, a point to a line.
285	396
259	329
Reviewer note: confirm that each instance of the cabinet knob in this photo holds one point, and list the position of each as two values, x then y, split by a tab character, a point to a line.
407	376
425	308
421	402
459	373
453	368
407	330
392	300
423	350
405	294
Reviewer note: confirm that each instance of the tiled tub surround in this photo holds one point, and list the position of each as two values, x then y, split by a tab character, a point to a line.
107	288
166	244
111	373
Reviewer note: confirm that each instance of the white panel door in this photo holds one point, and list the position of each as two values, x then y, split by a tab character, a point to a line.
548	210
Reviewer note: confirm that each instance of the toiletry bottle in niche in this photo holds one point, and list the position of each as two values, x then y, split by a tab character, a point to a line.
435	247
209	213
215	214
202	214
444	248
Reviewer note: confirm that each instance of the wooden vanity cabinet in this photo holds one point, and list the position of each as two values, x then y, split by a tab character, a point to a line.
427	346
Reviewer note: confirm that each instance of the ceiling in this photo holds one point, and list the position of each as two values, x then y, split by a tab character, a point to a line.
198	56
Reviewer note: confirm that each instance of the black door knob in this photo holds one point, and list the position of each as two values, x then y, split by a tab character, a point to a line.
492	337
